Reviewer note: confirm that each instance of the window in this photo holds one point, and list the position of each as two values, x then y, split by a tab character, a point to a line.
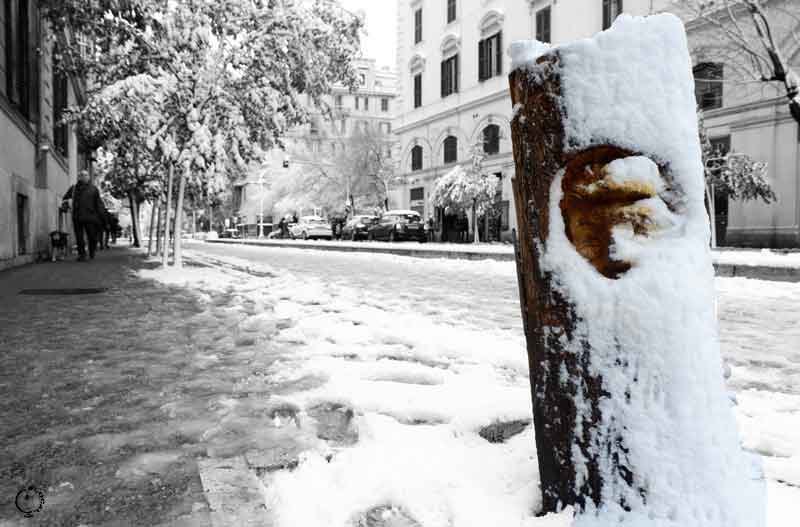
343	123
386	127
450	76
338	101
362	78
491	139
451	10
416	158
611	10
358	101
417	90
18	55
543	25
450	149
417	26
384	104
708	78
417	194
490	57
60	130
366	103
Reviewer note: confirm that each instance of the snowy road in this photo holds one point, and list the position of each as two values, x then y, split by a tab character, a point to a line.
438	345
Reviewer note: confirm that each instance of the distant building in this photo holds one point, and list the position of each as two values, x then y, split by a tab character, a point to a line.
39	159
372	107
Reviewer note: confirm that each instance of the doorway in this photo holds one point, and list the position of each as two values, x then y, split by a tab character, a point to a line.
22	224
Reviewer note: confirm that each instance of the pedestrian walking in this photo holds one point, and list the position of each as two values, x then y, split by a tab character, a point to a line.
87	214
282	226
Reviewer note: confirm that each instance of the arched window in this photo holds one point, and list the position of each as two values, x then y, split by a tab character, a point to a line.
491	139
450	149
416	158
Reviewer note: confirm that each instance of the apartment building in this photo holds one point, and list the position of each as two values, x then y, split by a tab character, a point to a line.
453	67
453	71
38	158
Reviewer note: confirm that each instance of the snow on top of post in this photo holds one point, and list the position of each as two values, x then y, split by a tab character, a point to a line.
631	86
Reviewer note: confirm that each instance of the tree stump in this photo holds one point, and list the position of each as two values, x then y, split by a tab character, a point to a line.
631	415
538	140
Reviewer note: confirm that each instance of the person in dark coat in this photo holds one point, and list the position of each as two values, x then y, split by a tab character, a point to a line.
87	214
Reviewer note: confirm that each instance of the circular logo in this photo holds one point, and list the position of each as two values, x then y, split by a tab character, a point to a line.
29	501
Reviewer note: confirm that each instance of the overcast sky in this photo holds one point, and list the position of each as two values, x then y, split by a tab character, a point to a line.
381	20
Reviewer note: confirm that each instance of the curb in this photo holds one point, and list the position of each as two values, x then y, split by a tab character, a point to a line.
758	272
400	251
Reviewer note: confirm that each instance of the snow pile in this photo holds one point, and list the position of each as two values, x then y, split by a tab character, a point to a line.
653	331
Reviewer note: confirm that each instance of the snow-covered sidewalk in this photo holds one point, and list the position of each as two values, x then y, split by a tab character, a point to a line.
406	395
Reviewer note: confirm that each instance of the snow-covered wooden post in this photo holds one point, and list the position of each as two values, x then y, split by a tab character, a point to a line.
630	411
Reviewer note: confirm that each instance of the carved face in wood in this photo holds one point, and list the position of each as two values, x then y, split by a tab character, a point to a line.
595	202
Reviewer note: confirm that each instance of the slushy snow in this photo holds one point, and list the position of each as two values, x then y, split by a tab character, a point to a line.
653	332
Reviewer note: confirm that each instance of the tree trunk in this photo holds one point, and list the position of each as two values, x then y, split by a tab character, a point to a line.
165	260
712	214
549	319
158	228
150	234
486	226
134	218
475	235
194	220
178	261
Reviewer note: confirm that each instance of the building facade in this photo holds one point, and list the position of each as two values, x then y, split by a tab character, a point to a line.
746	116
453	70
453	67
370	109
38	158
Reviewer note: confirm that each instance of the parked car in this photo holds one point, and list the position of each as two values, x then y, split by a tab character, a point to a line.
357	227
311	227
229	233
397	225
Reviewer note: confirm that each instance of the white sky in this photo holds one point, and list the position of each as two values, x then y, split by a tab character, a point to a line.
381	21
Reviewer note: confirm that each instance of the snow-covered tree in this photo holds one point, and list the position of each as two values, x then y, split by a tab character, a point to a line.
233	75
466	188
367	158
737	176
754	38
